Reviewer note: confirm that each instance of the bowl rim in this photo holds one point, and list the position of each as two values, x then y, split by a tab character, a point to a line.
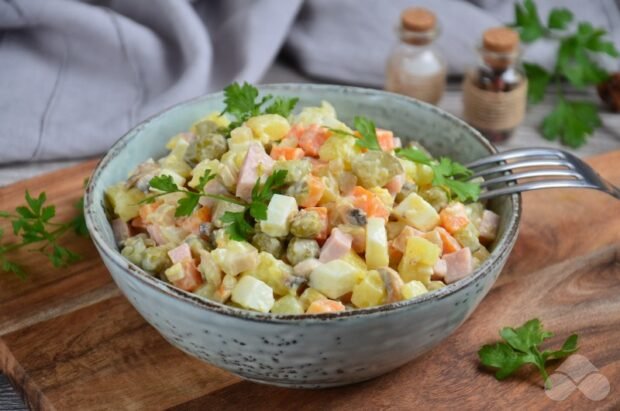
505	243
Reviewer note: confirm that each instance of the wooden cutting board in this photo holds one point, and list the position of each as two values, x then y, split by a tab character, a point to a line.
70	340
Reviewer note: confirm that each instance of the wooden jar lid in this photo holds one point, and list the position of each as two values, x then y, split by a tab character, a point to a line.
418	19
500	40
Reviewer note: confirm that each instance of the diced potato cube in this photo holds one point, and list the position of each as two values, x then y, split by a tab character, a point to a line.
275	273
419	272
420	250
355	260
340	146
435	285
335	278
417	212
175	162
324	115
209	269
412	289
370	291
240	138
236	257
200	170
376	243
309	296
288	304
124	201
253	294
175	272
269	127
280	211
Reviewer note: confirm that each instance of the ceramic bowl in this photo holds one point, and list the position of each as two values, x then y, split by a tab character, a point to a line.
309	351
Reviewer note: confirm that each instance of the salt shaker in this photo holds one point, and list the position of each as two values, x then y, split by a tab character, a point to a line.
415	67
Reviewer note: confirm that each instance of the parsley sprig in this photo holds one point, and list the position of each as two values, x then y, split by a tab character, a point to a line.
35	228
521	347
447	173
571	121
367	133
242	103
238	224
188	202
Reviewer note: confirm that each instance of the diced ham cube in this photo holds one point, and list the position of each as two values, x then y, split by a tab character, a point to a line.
180	253
400	242
439	270
255	158
121	230
337	245
213	187
459	265
488	226
156	234
395	184
305	267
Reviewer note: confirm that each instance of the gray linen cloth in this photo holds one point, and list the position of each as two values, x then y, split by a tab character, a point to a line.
76	75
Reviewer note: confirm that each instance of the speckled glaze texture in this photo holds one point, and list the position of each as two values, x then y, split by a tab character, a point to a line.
302	351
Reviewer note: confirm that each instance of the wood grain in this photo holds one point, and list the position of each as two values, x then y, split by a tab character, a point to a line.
70	341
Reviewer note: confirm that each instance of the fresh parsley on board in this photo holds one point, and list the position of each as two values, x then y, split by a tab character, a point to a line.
36	230
521	347
571	120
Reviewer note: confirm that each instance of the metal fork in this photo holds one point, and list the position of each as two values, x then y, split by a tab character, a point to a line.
512	172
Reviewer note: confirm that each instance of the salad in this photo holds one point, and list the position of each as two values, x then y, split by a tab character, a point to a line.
260	208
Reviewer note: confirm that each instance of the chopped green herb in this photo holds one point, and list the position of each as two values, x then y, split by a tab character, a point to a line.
570	121
33	225
190	199
521	347
241	103
447	174
238	227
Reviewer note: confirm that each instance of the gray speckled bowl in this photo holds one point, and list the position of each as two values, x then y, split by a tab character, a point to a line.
315	350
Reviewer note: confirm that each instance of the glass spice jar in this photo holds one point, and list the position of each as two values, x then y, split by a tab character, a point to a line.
495	93
415	67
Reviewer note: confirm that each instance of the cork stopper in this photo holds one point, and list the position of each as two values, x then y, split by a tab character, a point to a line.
500	40
418	19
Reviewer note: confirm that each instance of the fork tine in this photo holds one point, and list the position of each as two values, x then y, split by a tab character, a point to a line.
521	164
537	185
516	154
530	174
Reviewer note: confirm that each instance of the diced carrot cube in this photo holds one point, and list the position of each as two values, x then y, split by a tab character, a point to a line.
450	244
286	153
146	209
453	218
203	214
325	306
385	139
137	222
312	138
316	188
192	278
369	202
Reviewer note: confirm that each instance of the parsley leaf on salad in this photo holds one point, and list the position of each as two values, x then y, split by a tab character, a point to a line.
242	103
447	173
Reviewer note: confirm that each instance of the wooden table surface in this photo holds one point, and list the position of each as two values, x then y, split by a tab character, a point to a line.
605	139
